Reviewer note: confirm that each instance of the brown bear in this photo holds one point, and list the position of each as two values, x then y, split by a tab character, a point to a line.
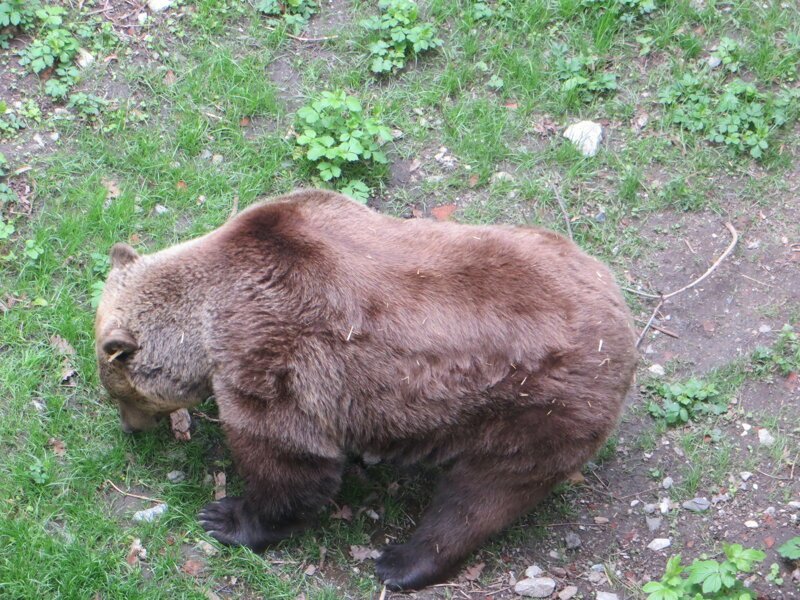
323	328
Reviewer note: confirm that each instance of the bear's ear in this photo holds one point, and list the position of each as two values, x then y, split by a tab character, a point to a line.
119	343
122	254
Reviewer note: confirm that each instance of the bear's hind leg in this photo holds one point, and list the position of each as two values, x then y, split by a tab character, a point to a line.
471	503
284	490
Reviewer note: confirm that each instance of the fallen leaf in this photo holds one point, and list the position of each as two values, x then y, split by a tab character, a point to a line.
67	373
576	478
244	122
169	78
109	58
310	570
444	212
134	239
474	572
219	485
58	447
545	126
769	541
181	185
417	213
193	567
61	345
112	188
791	381
362	553
640	122
180	421
136	553
345	513
473	180
511	105
601	520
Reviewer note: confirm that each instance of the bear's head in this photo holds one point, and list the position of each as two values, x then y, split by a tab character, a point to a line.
141	352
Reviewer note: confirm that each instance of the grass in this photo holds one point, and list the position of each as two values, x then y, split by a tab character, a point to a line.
205	128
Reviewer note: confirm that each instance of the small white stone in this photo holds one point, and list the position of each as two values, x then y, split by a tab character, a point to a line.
657	370
160	209
764	328
85	58
765	438
536	587
794	504
751	524
667	483
142	18
659	544
176	476
606	596
713	62
217	159
54	136
586	135
745	475
664	505
150	514
533	571
158	5
502	176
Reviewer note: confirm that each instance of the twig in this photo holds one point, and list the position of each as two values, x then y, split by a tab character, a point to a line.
723	256
111	483
563	208
688	245
234	207
568	525
203	415
664	297
774	476
383	593
324	38
754	279
663	330
649	322
637	292
639	493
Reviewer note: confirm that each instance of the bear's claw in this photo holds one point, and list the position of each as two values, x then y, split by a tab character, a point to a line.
408	567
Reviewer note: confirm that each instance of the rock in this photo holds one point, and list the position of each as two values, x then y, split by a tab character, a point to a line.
159	5
595	577
751	524
765	438
206	548
664	505
160	209
558	572
205	154
713	62
764	328
667	483
176	476
770	511
84	59
601	520
568	592
653	523
142	18
573	541
600	217
554	555
54	136
794	504
501	176
533	571
150	514
721	498
697	504
535	587
659	544
606	596
598	568
650	508
745	475
217	159
657	370
586	135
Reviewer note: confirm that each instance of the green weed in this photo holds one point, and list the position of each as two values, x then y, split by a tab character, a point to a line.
295	13
783	356
683	402
397	36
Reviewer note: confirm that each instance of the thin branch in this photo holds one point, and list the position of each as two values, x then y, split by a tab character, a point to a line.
562	205
649	322
111	483
663	330
638	293
713	267
324	38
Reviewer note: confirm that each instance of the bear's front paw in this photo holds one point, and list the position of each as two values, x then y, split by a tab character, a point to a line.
228	521
408	567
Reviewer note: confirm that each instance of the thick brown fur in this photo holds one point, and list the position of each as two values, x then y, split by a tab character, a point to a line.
324	328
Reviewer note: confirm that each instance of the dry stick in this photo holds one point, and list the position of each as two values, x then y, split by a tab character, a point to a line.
638	293
111	483
305	39
711	269
234	207
774	476
663	330
563	208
